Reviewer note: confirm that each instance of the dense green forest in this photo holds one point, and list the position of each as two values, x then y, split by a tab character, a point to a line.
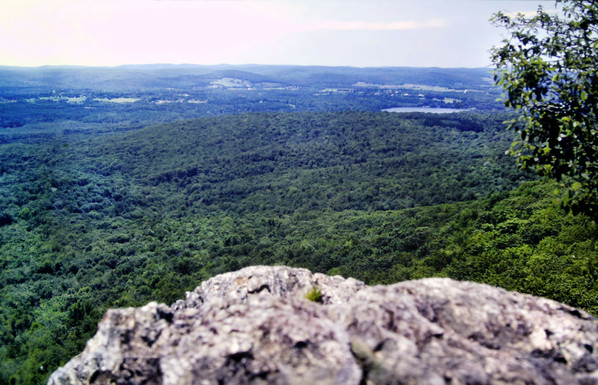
89	222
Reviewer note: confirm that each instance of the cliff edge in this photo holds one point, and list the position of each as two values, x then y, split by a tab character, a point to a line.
255	326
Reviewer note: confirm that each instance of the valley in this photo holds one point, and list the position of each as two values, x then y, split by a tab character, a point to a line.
121	186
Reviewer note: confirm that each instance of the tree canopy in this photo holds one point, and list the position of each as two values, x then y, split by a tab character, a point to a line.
547	68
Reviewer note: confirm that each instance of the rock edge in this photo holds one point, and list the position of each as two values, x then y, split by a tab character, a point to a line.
255	326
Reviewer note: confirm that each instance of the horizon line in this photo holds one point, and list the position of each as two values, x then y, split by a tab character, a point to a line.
82	66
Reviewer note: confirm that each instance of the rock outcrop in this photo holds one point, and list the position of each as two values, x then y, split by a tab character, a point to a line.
255	326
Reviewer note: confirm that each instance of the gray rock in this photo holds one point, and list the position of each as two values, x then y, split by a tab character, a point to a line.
255	326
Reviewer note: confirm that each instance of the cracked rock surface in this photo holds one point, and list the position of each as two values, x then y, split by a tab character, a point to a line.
255	326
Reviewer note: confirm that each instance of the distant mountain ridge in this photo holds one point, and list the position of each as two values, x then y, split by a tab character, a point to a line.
179	76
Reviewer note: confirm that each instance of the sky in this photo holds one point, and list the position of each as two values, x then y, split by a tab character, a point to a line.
360	33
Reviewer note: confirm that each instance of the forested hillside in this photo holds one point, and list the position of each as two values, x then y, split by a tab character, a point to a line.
89	222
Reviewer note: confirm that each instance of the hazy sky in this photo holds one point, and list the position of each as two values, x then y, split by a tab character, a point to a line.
443	33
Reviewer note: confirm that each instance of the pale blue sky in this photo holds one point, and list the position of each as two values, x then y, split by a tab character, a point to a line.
441	33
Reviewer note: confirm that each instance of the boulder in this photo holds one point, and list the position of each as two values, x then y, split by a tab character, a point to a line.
256	326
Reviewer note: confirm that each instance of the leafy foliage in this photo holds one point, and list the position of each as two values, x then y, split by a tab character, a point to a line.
520	241
548	71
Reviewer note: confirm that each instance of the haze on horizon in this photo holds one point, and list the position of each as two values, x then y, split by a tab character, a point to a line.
360	33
